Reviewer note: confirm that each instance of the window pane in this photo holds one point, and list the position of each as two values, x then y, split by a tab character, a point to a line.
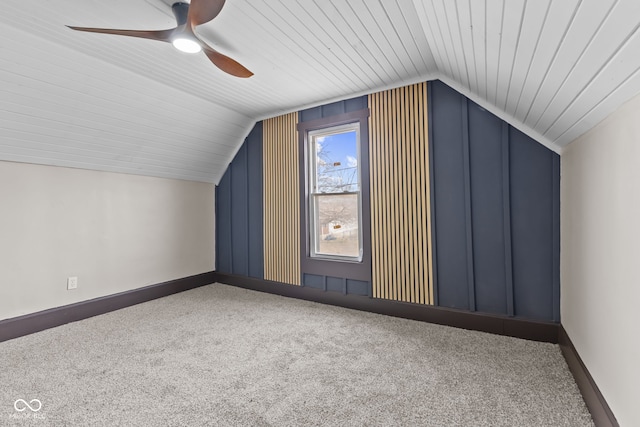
336	225
336	162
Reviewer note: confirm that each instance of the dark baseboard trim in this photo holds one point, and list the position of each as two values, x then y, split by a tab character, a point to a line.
501	325
36	322
600	411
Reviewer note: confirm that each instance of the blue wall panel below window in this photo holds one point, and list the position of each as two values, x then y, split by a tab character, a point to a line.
337	284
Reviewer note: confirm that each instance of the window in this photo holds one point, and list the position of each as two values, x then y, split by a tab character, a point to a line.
335	200
335	238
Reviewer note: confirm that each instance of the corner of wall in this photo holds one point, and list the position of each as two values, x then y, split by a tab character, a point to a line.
599	210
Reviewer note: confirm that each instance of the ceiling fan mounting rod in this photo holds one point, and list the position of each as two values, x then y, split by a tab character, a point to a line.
180	11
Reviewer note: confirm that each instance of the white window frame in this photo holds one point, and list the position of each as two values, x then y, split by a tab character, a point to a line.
314	194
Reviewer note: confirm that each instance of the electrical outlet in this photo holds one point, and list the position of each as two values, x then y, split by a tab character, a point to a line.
72	283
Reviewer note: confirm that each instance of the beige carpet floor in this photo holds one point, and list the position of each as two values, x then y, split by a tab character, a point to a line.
224	356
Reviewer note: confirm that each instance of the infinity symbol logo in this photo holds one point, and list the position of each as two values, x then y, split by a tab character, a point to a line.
22	405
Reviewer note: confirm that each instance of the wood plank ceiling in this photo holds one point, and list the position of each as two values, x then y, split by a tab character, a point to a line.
552	68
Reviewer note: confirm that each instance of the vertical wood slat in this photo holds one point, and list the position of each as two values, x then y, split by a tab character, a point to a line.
374	153
400	195
281	200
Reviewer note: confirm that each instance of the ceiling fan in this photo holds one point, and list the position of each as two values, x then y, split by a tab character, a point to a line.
183	36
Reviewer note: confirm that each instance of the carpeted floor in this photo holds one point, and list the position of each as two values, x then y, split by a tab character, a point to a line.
224	356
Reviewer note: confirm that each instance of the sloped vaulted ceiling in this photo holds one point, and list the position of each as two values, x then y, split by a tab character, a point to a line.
553	68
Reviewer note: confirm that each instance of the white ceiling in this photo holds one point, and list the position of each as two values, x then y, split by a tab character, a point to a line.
552	68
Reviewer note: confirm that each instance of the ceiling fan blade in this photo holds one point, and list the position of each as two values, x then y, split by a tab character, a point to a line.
160	35
201	11
225	63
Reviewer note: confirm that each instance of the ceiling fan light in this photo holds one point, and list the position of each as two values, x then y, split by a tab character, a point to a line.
186	45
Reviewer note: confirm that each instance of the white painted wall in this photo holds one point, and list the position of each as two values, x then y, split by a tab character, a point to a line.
116	232
600	256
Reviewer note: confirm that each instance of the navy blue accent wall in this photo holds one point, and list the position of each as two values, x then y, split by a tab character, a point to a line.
239	211
487	231
495	202
334	109
447	157
532	227
496	212
255	202
223	223
328	282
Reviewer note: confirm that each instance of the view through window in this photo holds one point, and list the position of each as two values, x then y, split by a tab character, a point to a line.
335	193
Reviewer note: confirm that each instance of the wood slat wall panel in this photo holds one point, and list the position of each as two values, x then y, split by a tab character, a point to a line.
281	200
400	195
